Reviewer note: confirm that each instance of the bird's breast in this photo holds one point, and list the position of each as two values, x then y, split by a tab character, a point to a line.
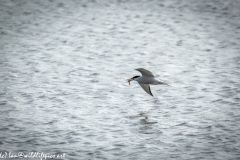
147	80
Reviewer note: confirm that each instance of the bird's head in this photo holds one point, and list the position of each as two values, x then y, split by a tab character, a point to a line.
133	78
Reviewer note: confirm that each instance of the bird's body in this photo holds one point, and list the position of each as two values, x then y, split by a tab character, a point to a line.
146	79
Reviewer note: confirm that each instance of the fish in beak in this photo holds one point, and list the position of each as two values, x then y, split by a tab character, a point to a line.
129	80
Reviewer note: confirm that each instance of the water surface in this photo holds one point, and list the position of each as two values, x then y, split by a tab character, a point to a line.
64	67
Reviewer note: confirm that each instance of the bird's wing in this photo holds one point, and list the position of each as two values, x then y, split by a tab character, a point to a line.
145	72
146	88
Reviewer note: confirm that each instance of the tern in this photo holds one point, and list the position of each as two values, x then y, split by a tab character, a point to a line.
146	79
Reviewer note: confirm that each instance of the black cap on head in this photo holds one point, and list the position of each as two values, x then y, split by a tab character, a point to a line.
135	77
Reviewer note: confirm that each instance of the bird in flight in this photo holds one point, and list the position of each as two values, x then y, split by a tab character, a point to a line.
146	79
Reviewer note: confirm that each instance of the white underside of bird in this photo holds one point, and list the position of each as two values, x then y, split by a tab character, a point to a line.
146	79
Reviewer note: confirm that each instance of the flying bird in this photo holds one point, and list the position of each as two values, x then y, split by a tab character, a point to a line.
146	79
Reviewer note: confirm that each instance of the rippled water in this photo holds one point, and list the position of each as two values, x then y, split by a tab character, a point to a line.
64	66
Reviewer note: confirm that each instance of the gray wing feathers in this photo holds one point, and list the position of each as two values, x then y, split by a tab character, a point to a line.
146	88
145	72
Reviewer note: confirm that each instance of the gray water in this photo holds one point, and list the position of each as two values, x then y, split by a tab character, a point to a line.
64	70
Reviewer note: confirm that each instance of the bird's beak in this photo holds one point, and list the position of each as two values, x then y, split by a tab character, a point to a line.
129	80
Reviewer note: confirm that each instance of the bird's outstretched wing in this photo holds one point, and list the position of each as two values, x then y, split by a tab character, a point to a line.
145	72
146	88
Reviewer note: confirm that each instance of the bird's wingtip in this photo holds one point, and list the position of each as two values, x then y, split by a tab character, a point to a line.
139	69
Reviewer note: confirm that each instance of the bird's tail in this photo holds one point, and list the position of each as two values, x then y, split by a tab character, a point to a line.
164	83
